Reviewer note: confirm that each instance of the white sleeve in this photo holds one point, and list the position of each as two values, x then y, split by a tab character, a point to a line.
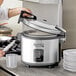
3	13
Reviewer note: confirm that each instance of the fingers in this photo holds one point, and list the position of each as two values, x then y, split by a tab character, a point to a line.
28	10
2	53
18	11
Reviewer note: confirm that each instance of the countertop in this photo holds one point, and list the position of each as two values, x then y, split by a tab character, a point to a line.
21	70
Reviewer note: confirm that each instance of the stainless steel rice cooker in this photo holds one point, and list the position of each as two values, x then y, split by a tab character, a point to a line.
41	45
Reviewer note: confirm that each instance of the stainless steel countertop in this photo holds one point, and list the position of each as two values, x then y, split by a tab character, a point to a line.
21	70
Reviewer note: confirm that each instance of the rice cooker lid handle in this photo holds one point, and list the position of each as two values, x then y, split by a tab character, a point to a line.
33	23
33	17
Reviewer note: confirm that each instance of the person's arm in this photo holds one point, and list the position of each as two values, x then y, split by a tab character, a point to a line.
16	11
6	13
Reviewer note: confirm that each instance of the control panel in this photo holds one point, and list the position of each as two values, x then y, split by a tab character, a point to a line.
39	55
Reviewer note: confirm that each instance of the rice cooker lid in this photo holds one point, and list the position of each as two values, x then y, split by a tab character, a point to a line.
40	26
41	30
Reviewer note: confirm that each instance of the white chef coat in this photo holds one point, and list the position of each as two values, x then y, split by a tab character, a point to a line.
3	13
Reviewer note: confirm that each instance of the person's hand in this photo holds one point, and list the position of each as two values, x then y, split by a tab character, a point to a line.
2	53
17	11
26	9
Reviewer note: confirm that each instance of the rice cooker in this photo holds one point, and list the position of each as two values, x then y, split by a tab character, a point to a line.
41	45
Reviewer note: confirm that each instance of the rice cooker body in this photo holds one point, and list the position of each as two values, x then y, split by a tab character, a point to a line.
40	52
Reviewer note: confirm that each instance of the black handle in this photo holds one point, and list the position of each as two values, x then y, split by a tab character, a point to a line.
14	52
26	17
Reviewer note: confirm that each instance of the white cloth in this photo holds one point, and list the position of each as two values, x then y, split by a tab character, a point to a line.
3	13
